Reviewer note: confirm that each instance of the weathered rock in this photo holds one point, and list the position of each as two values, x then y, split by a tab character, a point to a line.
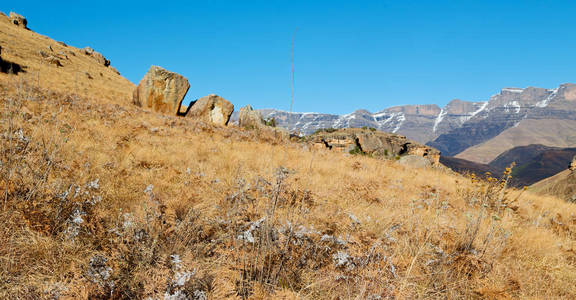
161	90
415	161
211	108
97	56
250	118
373	143
573	164
18	20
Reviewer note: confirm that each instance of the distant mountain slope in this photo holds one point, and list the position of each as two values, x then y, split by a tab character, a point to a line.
421	123
533	163
561	185
468	167
551	132
475	131
528	154
504	111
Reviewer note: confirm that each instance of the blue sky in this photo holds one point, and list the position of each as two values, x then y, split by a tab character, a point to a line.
348	54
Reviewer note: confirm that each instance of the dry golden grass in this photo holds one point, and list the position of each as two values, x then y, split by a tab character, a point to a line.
23	47
332	226
100	199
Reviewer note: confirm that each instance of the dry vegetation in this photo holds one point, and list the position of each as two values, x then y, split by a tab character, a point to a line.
79	72
102	200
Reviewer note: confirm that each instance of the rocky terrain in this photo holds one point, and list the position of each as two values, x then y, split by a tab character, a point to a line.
475	131
372	143
110	190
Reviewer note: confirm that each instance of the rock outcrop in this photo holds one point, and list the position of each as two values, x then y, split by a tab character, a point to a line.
161	91
18	20
97	56
373	143
573	165
211	108
250	118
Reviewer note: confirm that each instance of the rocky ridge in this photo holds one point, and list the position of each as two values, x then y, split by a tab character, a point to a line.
453	128
372	142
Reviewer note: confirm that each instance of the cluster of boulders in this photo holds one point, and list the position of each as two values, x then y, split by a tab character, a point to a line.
163	91
377	144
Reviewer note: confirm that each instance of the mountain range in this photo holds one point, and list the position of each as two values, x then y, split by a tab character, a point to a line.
475	131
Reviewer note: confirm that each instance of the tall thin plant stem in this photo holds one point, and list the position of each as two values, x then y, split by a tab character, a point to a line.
293	76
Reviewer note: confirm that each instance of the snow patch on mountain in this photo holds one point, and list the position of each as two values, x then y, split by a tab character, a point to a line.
546	101
439	119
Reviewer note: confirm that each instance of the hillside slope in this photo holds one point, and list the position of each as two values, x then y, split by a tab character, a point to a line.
532	163
101	199
79	73
553	133
561	185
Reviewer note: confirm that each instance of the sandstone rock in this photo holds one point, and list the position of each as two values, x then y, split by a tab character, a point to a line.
415	161
97	56
573	164
374	143
211	108
250	118
161	90
18	20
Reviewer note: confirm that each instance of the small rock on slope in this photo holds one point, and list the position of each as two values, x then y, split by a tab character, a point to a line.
211	108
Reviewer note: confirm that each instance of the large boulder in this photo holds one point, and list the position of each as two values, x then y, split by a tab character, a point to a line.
211	108
18	20
250	118
573	164
161	90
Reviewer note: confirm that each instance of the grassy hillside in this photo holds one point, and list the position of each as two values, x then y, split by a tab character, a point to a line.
101	199
80	74
562	185
532	163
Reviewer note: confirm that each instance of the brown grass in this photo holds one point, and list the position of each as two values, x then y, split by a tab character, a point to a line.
100	199
80	74
251	217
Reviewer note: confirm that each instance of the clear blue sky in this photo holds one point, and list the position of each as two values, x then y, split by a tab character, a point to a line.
349	54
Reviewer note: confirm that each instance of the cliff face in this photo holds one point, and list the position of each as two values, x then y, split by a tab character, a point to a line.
460	125
373	143
421	123
519	118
